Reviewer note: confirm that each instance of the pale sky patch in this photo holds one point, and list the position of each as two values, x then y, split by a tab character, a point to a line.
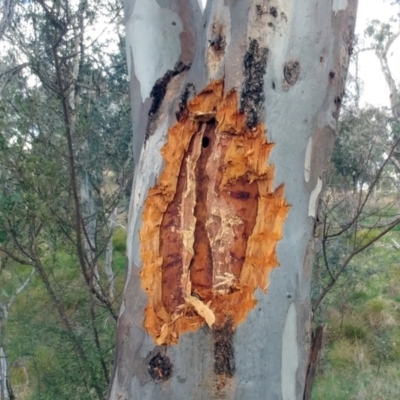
376	91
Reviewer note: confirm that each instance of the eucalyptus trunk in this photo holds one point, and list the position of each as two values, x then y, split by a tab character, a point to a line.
234	114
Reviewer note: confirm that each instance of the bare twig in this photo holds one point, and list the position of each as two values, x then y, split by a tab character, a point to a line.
349	258
370	189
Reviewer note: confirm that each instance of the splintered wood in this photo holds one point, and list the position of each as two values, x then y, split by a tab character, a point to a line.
212	222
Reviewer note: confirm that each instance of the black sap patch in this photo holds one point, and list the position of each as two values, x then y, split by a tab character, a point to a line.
159	90
252	96
224	354
160	366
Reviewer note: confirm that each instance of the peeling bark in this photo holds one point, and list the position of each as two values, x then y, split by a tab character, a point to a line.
230	149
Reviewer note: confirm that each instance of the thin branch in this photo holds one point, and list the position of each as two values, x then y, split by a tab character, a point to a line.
14	257
324	250
370	189
8	75
97	341
20	289
349	258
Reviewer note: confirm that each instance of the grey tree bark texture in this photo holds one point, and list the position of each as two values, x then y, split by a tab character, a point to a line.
288	61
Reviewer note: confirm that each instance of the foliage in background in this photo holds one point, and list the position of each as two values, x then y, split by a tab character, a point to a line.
65	173
355	291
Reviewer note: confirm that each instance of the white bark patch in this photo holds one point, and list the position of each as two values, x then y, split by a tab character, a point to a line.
307	164
312	205
146	176
155	45
290	355
339	5
113	394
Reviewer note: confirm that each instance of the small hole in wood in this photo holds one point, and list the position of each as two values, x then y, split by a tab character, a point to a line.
205	142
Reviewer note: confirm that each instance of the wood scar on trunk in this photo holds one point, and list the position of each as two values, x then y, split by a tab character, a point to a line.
212	221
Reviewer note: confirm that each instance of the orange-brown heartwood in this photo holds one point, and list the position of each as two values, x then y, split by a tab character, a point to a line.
212	222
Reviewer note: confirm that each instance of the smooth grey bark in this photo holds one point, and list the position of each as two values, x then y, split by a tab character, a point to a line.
308	48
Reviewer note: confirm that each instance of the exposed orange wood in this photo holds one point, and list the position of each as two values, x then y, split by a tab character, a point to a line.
212	222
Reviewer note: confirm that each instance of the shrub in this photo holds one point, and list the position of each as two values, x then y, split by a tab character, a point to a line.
354	331
119	240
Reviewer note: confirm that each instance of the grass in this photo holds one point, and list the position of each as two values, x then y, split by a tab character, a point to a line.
361	355
344	354
333	387
354	331
38	347
369	384
119	240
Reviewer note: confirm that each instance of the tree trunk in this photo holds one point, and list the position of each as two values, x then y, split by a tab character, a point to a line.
5	393
4	387
231	152
315	354
109	255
